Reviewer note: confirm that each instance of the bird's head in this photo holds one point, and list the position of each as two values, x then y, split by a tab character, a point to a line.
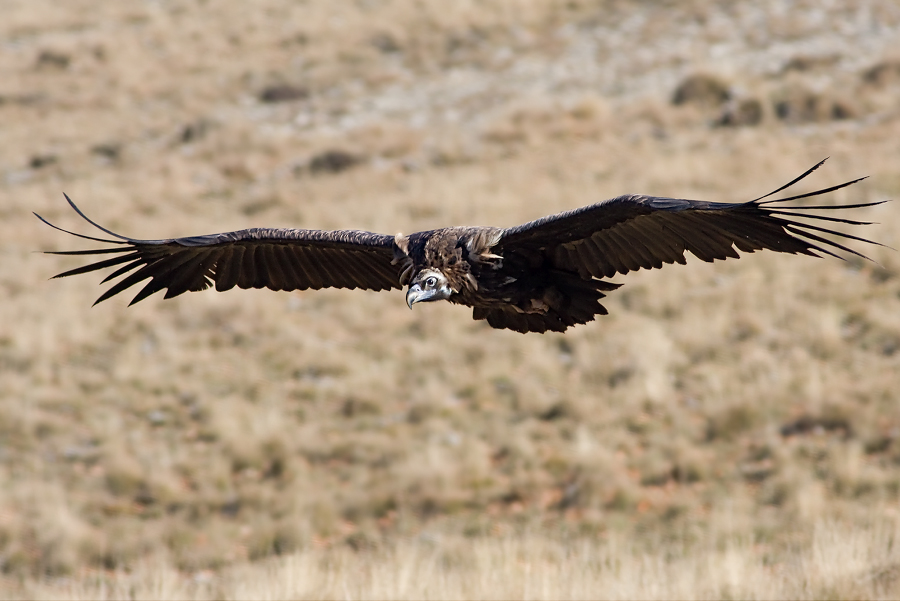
428	285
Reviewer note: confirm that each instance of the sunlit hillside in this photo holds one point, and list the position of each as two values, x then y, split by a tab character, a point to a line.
727	430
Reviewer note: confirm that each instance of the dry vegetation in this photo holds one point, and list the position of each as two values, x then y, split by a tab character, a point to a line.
728	430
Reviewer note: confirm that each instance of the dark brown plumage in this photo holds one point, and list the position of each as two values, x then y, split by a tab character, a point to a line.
540	276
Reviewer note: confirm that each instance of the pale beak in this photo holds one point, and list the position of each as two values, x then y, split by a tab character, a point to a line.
414	295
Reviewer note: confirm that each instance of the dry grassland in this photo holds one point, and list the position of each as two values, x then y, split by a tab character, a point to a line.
838	562
728	430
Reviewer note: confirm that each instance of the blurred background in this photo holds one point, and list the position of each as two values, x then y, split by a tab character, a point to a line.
744	406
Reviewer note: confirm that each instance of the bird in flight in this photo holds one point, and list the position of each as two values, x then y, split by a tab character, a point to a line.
545	275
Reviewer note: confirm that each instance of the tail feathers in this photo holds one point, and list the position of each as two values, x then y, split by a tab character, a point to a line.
575	301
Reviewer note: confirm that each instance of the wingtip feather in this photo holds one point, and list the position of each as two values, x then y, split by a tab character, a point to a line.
56	227
793	181
92	222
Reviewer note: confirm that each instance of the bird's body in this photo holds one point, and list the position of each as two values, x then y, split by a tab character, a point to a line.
546	275
522	290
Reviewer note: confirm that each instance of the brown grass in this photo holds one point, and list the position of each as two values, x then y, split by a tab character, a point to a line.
837	562
728	430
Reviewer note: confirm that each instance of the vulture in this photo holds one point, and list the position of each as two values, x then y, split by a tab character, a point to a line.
545	275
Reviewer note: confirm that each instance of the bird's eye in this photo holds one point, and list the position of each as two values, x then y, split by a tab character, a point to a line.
430	282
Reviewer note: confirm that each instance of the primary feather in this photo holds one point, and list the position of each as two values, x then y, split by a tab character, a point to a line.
539	276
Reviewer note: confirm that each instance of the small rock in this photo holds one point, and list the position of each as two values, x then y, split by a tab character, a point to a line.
22	99
386	43
333	161
194	131
740	113
701	90
283	93
231	507
108	150
807	424
803	106
883	74
50	59
810	63
39	161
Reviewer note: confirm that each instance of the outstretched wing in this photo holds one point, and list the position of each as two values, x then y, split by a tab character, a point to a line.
632	232
277	259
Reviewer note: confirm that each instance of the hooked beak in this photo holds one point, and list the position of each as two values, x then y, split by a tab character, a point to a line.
415	294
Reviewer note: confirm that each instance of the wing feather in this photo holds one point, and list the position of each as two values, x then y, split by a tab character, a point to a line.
355	272
758	235
278	259
190	276
654	249
277	279
628	248
138	276
118	272
282	257
696	244
315	277
644	247
632	232
793	228
721	241
624	249
296	259
592	259
386	272
667	246
263	258
228	268
612	264
98	265
154	285
341	278
247	277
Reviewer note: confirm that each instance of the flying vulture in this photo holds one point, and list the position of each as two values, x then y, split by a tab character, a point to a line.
547	274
